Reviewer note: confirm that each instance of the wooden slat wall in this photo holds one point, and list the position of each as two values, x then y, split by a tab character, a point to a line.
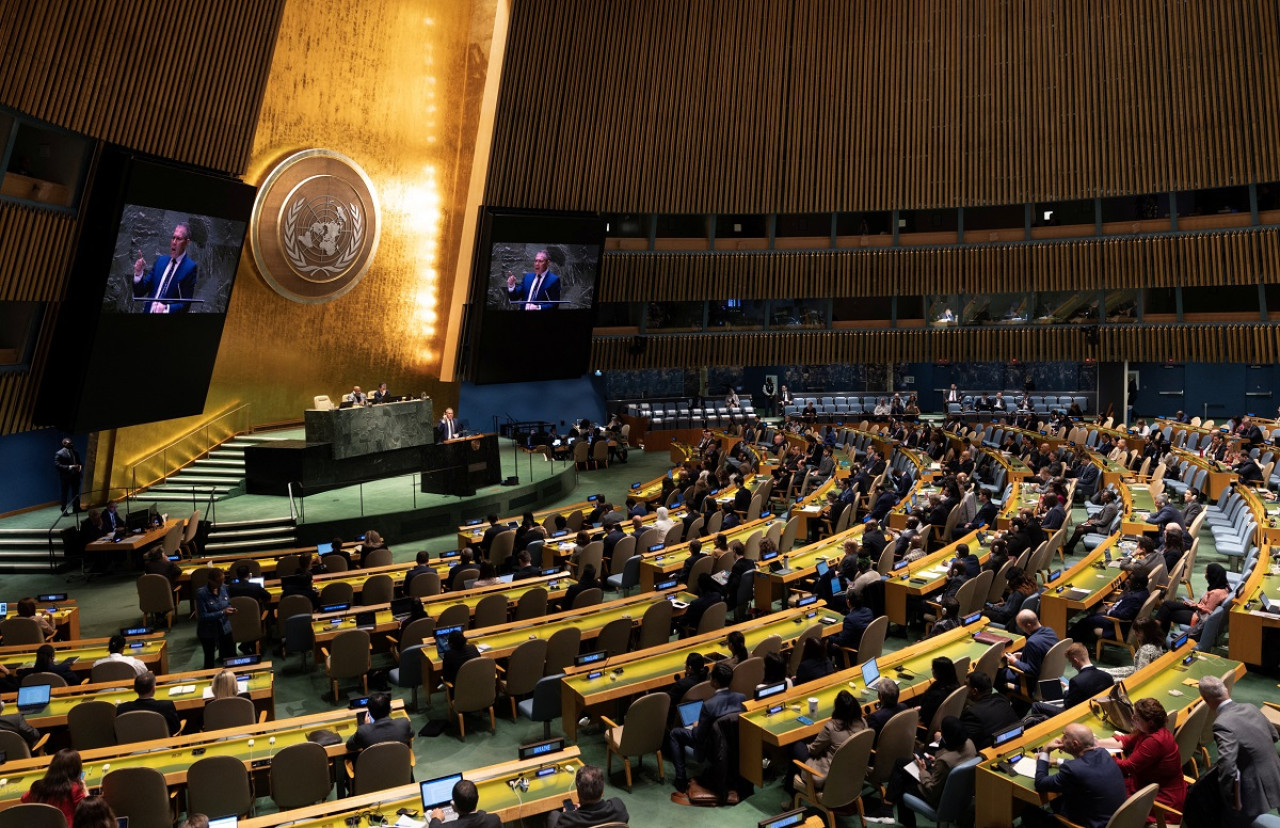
1239	257
180	81
1139	343
35	245
760	106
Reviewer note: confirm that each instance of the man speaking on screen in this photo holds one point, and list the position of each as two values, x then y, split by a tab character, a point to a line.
171	277
538	290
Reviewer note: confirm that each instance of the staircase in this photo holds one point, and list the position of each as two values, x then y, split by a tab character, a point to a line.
27	550
232	537
220	473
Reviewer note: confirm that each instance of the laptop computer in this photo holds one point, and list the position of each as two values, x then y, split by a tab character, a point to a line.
366	620
402	608
438	793
823	568
789	819
1051	691
871	673
324	548
442	638
1267	606
224	822
33	698
689	712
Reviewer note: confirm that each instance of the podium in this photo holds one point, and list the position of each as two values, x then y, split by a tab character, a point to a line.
462	465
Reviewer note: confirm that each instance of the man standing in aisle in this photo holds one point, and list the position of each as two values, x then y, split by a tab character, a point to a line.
67	459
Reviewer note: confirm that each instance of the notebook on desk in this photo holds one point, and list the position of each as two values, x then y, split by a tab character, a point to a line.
986	637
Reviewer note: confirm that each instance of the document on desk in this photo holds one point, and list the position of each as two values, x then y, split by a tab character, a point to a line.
1027	766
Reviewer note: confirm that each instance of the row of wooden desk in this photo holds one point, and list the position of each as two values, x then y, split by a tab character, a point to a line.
1000	796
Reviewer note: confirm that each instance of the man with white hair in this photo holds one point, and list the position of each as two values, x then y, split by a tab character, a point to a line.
1089	787
1246	780
1165	513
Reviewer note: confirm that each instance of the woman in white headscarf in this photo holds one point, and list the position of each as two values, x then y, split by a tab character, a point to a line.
664	521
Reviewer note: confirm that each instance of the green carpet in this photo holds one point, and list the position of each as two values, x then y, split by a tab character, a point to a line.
106	606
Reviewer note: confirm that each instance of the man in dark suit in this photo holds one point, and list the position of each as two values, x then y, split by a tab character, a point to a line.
972	566
1099	524
539	290
525	567
489	534
15	723
741	566
1250	432
1040	639
593	809
1246	780
1054	515
695	553
144	684
985	516
1126	609
708	596
855	622
722	702
611	541
465	798
111	520
422	564
449	428
67	461
873	540
1088	682
379	726
887	692
171	277
1087	478
1090	786
742	497
381	394
1165	513
987	713
885	502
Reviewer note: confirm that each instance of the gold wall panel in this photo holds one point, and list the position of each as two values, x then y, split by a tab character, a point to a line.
760	106
394	85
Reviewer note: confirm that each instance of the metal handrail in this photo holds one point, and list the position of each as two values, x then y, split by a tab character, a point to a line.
163	451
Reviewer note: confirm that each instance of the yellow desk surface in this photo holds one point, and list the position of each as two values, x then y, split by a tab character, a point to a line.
502	640
927	574
261	690
355	577
800	564
1025	495
174	755
654	566
998	793
1246	617
471	533
655	667
920	490
133	541
153	651
66	616
1082	587
546	793
911	667
326	625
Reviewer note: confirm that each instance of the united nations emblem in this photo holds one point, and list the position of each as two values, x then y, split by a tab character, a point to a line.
315	226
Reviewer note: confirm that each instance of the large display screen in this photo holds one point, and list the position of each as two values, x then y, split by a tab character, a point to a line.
533	299
527	277
150	283
171	261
